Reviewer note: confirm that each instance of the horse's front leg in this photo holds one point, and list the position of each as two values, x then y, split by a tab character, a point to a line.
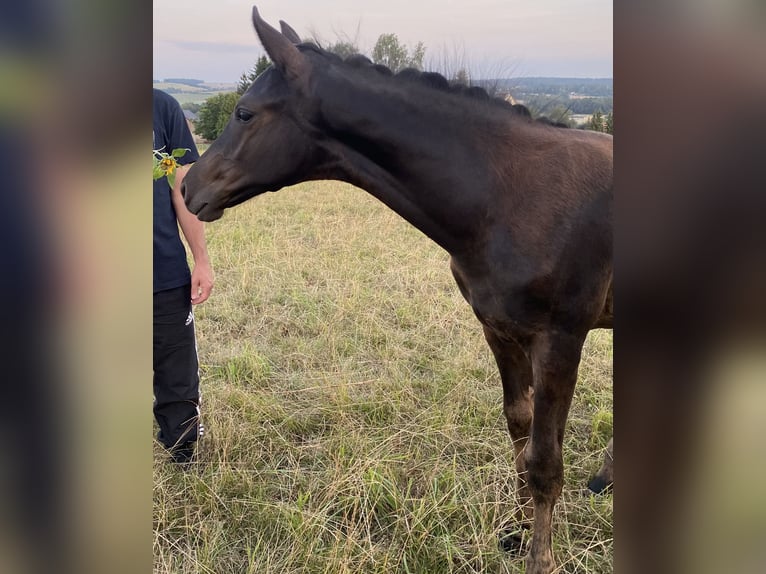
556	358
516	374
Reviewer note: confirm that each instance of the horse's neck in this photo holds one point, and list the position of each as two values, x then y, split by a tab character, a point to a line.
421	162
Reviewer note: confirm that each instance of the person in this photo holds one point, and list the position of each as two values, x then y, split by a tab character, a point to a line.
176	289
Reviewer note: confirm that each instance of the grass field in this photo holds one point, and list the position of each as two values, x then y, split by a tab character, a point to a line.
353	409
185	93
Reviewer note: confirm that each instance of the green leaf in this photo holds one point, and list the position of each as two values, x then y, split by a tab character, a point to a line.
180	152
158	172
172	179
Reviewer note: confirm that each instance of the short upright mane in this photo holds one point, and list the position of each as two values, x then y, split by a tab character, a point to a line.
432	80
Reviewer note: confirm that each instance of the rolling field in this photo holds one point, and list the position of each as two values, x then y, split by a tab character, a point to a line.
353	410
185	93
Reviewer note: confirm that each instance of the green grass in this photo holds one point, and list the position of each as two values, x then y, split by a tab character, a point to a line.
353	409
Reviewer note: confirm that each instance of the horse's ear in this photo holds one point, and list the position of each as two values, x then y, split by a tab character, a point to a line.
286	57
288	31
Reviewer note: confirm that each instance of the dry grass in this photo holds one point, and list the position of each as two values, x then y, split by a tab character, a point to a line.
353	409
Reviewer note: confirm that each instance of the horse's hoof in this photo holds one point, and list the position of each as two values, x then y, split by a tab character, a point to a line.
598	485
513	542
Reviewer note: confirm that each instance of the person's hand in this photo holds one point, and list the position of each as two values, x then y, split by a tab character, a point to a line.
201	283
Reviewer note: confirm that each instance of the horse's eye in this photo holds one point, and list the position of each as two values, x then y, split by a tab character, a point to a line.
243	115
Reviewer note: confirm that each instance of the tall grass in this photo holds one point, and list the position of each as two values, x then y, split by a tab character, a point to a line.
353	410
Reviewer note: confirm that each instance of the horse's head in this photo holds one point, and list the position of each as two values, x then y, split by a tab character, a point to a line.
265	146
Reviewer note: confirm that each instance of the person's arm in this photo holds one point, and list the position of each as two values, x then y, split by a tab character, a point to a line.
194	232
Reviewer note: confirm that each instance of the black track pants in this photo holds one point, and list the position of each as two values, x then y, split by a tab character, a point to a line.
176	376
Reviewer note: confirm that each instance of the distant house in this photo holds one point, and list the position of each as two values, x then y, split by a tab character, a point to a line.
191	117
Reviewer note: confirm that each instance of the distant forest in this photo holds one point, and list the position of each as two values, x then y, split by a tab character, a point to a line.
186	81
575	95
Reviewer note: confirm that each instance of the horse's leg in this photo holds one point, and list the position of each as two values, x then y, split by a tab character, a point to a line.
516	375
604	478
555	357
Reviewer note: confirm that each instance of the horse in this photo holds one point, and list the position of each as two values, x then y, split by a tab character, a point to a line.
523	208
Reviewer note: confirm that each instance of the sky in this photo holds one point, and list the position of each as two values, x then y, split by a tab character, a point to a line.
214	40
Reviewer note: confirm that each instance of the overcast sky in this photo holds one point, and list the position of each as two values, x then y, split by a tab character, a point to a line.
214	40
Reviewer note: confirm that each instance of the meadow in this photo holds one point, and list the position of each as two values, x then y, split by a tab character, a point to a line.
353	411
186	93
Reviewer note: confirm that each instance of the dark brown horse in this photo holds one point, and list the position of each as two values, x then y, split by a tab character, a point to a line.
523	208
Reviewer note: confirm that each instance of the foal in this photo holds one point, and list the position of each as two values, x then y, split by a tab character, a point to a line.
524	209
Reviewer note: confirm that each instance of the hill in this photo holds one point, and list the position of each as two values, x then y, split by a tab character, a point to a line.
197	93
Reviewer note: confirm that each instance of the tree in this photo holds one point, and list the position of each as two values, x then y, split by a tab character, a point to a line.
248	78
396	56
416	58
461	78
343	49
609	123
214	114
596	122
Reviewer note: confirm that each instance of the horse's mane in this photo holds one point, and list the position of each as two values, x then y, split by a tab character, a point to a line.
433	80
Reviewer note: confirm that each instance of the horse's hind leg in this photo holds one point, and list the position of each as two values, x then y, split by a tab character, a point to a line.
516	374
556	358
604	478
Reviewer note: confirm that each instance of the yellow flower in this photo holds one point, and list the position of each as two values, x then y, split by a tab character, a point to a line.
168	165
164	165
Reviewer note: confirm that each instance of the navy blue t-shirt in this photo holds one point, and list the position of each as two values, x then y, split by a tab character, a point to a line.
170	131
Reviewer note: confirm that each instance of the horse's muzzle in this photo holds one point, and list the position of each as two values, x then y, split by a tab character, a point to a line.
199	206
205	212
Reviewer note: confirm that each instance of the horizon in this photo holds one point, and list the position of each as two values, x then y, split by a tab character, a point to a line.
491	38
235	82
